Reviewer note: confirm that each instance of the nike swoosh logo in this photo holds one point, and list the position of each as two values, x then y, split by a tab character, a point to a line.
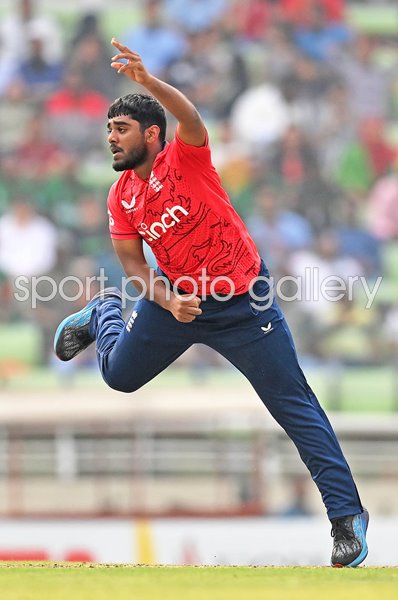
127	205
268	328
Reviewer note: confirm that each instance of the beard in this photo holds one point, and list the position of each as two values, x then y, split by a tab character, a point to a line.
133	159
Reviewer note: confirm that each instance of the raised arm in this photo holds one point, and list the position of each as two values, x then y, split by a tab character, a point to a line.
131	256
191	128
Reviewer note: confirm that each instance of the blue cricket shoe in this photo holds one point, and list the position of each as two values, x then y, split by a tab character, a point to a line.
349	545
73	333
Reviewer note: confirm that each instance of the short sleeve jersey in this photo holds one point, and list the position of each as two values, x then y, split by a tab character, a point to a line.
185	215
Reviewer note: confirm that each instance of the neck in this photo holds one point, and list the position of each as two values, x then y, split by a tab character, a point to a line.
144	170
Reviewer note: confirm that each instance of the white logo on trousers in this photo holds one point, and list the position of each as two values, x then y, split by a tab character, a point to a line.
131	320
268	328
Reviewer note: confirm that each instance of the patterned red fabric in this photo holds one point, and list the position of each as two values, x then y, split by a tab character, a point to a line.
186	217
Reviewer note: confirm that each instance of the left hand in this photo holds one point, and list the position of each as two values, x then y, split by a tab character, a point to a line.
134	68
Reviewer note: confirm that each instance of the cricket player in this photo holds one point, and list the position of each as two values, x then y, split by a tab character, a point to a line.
211	287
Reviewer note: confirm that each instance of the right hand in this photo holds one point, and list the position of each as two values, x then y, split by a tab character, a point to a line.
184	309
134	68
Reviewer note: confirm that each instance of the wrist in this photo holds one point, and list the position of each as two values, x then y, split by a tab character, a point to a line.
150	82
165	301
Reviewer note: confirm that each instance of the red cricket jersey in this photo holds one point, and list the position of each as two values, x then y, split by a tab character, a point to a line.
186	217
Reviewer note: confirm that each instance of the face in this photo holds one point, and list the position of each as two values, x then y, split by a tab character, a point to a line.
127	143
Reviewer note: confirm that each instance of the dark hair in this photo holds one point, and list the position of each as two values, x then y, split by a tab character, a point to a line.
142	108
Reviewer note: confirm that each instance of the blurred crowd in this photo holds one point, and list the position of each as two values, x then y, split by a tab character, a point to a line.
302	112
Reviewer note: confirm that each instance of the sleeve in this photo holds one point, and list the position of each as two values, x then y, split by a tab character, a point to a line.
120	227
186	154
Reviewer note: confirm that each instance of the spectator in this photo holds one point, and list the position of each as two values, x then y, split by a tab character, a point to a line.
298	12
307	80
211	72
251	20
383	208
15	112
366	158
281	54
45	171
76	114
277	231
315	311
195	15
28	248
38	156
380	153
305	89
356	241
90	58
28	242
368	84
90	239
39	75
91	228
318	200
351	335
292	157
87	26
195	73
157	43
390	331
235	165
8	71
324	259
250	116
333	129
18	28
320	39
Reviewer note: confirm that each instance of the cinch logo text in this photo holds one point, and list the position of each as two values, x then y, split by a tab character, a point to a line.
167	220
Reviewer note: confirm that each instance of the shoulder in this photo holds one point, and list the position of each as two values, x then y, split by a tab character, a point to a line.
181	152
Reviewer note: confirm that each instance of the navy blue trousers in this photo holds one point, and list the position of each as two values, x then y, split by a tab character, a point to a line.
132	353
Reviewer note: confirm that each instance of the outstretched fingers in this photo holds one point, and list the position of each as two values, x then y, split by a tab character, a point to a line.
130	63
119	46
123	49
127	55
133	60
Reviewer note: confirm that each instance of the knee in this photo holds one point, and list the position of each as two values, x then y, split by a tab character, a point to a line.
120	384
117	377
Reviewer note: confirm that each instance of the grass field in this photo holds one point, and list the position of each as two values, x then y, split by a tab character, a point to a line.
59	581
